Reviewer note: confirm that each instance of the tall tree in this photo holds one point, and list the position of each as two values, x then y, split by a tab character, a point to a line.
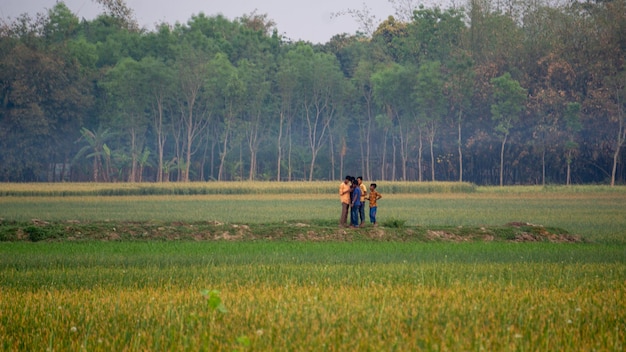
320	89
228	91
286	81
431	103
127	86
257	86
572	127
508	102
364	87
394	88
459	84
193	110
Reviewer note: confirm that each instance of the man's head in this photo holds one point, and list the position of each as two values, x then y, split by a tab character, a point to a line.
372	186
359	179
348	179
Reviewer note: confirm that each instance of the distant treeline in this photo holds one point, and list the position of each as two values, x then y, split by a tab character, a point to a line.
507	92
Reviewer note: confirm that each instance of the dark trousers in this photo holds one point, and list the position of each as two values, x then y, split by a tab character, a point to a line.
343	221
354	212
362	212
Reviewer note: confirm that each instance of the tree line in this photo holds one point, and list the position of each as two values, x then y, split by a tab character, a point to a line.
507	92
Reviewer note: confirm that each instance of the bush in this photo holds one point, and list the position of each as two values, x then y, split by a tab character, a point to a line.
394	223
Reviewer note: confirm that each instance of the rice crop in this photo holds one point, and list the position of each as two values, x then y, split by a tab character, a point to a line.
598	216
295	295
303	296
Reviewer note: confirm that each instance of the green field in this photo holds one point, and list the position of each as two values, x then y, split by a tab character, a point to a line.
318	295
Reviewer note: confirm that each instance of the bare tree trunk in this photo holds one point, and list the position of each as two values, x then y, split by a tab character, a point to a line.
431	142
279	144
569	167
420	151
289	166
368	148
332	157
161	137
502	160
133	155
393	163
220	171
342	155
621	136
384	155
460	146
543	166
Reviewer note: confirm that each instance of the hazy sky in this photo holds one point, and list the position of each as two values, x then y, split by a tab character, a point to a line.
296	19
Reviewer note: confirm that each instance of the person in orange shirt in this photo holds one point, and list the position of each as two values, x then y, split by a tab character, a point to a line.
344	196
373	196
363	196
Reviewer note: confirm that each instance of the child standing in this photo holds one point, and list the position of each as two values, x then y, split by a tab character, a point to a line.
373	196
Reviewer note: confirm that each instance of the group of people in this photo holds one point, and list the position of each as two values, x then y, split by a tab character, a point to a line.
353	193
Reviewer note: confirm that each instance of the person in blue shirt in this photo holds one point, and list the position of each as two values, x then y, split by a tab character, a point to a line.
355	205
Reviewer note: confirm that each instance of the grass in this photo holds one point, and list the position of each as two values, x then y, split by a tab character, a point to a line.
297	295
308	296
597	216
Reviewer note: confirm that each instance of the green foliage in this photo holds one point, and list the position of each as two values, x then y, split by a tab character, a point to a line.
215	98
509	99
393	223
214	300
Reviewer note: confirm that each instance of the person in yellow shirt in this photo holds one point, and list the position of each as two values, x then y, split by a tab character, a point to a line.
363	196
373	196
344	197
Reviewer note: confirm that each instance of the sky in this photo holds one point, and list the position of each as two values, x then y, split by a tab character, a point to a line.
309	20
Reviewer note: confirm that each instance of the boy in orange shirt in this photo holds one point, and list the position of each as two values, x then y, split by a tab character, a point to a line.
373	196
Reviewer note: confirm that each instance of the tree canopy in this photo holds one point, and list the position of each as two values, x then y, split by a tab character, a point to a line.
492	93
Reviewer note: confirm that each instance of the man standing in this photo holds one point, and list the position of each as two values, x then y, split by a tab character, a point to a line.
363	195
344	196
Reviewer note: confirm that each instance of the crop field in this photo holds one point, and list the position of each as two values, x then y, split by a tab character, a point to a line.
297	295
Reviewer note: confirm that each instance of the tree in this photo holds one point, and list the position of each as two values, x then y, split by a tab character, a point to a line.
508	102
431	102
192	71
118	9
459	85
44	95
616	87
394	88
319	92
127	86
257	108
227	91
159	80
98	150
572	127
362	82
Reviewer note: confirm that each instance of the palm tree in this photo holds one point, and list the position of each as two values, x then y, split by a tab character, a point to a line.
97	149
